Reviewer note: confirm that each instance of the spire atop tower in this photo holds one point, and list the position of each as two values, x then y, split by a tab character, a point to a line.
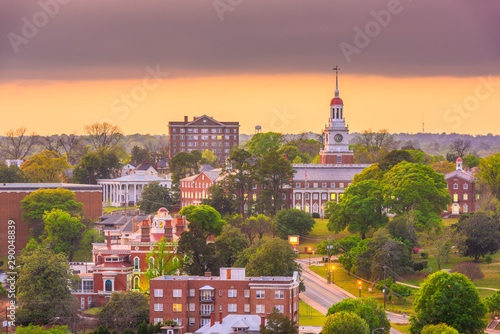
336	68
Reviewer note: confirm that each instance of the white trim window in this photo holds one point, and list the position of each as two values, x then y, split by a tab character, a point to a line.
177	293
158	307
232	293
260	309
279	294
280	308
158	293
260	294
231	307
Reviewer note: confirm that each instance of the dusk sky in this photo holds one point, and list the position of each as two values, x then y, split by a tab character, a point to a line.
140	64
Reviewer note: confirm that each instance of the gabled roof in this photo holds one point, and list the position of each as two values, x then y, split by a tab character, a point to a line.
204	168
143	166
213	175
207	287
251	323
461	174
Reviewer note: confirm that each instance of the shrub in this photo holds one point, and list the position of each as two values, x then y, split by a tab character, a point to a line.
469	269
415	250
424	255
418	266
424	263
487	258
315	215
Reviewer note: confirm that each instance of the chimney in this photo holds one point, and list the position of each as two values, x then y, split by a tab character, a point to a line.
168	233
263	321
145	231
220	317
185	121
208	274
212	319
108	240
135	224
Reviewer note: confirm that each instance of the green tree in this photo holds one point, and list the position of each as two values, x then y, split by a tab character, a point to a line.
439	329
257	226
181	165
360	209
292	152
139	154
125	309
489	174
293	222
220	198
205	217
343	245
209	158
44	280
38	202
310	147
154	196
31	329
45	167
11	174
278	323
411	186
84	250
274	173
62	232
101	164
438	243
239	177
162	261
143	328
229	244
263	143
493	303
479	235
274	257
451	299
470	161
345	323
367	308
394	157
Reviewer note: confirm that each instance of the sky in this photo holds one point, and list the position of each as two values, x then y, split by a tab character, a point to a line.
406	66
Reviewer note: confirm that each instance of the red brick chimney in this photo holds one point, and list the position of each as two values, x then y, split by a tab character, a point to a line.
186	120
263	321
145	231
168	233
212	319
220	317
108	240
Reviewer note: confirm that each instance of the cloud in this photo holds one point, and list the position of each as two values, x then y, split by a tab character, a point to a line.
91	39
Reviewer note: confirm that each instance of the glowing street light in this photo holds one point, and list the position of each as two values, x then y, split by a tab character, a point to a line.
359	283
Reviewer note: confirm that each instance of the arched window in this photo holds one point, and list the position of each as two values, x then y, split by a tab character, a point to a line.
465	208
136	282
108	285
151	262
136	263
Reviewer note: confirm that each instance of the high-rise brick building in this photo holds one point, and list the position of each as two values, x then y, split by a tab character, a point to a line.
193	301
203	133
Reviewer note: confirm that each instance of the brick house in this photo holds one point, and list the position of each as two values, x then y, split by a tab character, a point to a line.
195	301
203	133
195	188
462	187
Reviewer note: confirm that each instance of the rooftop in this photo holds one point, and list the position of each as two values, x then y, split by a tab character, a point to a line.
36	186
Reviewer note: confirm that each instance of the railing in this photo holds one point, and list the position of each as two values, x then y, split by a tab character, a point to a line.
205	313
207	299
102	292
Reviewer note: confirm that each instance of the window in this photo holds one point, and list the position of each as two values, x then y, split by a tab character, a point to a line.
192	321
136	263
339	159
254	186
158	292
323	196
315	196
204	130
88	286
182	130
219	130
89	300
307	184
219	137
297	185
278	294
455	197
220	293
190	130
466	186
178	321
323	185
158	320
108	285
260	309
177	293
297	196
307	195
341	185
192	293
231	307
280	308
260	294
136	282
231	293
247	294
192	307
466	197
315	185
466	208
247	308
332	185
158	307
177	307
455	186
214	130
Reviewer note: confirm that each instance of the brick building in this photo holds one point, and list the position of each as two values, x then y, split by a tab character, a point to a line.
194	301
195	188
11	195
203	133
462	187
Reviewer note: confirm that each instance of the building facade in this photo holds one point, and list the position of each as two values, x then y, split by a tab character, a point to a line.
195	301
203	133
462	187
194	188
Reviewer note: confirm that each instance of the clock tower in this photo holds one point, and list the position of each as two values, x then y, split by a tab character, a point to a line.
335	142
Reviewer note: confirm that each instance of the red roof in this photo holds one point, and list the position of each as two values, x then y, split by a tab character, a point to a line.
163	210
337	101
459	160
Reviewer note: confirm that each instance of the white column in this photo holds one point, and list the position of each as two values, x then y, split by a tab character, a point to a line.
120	193
135	193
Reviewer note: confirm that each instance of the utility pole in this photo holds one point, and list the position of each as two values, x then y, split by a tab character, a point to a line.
384	288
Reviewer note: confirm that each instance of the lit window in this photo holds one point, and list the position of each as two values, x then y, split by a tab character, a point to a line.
177	307
466	197
455	197
341	185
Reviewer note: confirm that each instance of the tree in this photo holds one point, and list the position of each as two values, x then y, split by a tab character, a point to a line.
73	147
403	228
470	161
345	323
38	202
278	323
45	167
274	257
398	290
439	329
139	154
411	186
30	329
180	165
205	217
62	232
274	173
438	243
293	222
451	299
257	226
125	309
479	235
489	174
11	174
459	147
162	261
443	167
102	164
493	303
44	280
360	209
292	152
154	196
219	198
103	134
311	147
18	144
209	158
239	177
263	143
394	157
199	256
229	244
367	308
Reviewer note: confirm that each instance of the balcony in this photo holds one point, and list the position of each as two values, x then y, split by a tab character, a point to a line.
206	313
102	292
207	299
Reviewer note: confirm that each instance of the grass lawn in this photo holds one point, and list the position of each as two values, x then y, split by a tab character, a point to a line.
403	328
309	316
110	209
93	311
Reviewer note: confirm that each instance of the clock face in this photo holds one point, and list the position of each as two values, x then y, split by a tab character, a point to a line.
338	137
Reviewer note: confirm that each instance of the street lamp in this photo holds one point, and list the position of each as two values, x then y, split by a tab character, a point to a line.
382	328
333	274
359	283
309	249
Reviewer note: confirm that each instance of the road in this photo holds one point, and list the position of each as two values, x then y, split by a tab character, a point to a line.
321	295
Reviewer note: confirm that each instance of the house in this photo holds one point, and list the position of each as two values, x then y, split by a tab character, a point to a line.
195	188
234	324
198	301
462	187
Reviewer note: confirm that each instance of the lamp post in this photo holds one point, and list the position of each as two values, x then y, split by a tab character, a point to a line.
333	274
309	251
359	283
382	328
